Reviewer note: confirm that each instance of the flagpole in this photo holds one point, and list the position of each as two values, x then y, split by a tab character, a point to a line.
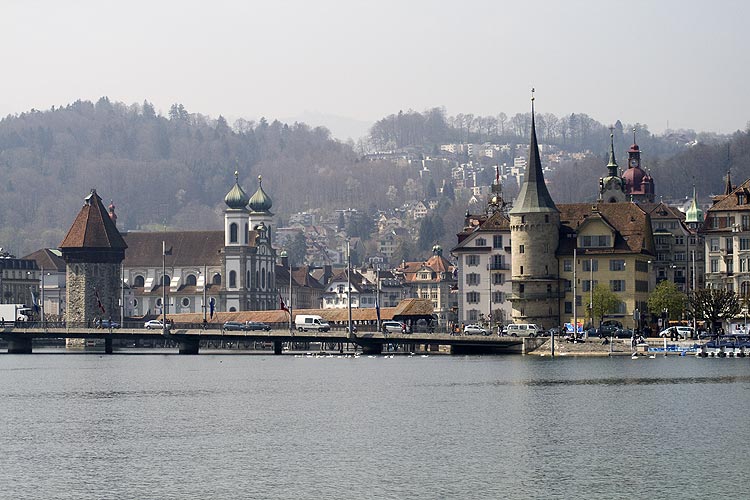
349	283
122	295
289	261
377	294
205	287
164	286
42	306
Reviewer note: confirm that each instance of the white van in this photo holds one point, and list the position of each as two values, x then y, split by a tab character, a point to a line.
304	322
523	330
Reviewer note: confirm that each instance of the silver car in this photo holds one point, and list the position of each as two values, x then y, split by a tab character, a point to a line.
474	330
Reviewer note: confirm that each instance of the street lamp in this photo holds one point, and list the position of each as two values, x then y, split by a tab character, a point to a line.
349	284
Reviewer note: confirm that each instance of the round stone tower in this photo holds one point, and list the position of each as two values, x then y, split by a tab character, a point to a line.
535	233
92	250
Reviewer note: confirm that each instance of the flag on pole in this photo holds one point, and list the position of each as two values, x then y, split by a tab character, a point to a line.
282	305
98	301
167	251
212	305
34	301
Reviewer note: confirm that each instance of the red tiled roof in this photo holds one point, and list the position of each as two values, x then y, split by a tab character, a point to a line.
93	227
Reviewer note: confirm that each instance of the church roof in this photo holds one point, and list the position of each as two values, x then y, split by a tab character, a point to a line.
694	214
93	228
260	201
189	248
236	198
534	196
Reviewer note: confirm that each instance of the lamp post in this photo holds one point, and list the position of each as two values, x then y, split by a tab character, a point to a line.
41	306
164	287
349	284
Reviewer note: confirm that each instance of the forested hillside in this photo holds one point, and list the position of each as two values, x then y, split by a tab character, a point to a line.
168	170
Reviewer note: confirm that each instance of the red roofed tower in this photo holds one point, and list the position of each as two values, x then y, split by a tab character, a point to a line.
639	186
92	250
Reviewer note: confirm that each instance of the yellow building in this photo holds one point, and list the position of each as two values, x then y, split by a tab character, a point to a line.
614	245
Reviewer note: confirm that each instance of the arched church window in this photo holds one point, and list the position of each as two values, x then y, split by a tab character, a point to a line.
165	280
139	281
233	233
247	280
191	280
247	234
232	279
263	281
216	279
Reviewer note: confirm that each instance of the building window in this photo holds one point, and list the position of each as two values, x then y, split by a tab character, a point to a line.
641	286
745	288
498	279
472	297
521	288
568	285
247	234
247	280
165	280
472	279
568	307
523	219
497	241
567	265
617	285
185	302
521	249
714	265
616	265
232	279
472	260
641	266
497	262
728	244
590	265
233	233
216	279
521	269
481	242
498	297
138	281
714	244
586	285
473	315
191	280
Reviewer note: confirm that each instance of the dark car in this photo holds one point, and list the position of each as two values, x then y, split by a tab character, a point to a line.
233	326
257	326
623	333
609	327
108	323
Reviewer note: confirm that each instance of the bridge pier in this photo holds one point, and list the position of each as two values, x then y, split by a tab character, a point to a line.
107	346
19	345
189	346
372	349
277	347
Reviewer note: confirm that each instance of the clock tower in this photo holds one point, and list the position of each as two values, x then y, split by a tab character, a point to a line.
639	186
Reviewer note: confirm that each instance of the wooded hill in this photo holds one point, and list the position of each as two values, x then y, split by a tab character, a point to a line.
174	170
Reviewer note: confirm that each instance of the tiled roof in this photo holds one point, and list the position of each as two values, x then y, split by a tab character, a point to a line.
189	248
731	201
662	211
93	228
632	226
48	260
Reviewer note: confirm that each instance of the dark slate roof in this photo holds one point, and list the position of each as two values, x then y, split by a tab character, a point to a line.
631	224
48	260
731	200
189	248
534	196
93	227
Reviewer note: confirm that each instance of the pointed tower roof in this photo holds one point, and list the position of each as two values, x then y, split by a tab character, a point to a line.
236	198
694	214
93	228
534	196
260	202
728	188
612	165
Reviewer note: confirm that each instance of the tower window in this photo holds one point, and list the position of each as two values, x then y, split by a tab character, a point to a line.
247	233
521	249
233	233
191	280
232	279
138	281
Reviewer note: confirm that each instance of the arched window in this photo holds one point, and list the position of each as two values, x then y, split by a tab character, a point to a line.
247	280
247	234
270	282
232	279
263	281
165	280
745	288
233	232
217	279
257	279
185	302
138	281
191	280
232	309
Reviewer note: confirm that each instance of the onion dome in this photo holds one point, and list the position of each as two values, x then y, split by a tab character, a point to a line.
694	214
236	198
260	201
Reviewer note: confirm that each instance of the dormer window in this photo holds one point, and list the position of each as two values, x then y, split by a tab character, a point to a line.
481	242
602	240
740	198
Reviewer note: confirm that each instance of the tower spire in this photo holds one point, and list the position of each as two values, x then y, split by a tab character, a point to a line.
534	196
612	165
728	187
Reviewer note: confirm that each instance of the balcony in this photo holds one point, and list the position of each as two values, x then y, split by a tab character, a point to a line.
494	266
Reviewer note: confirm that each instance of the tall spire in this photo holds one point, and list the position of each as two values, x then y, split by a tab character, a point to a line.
694	214
534	196
612	165
728	188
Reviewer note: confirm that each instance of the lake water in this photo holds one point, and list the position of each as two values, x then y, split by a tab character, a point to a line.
283	427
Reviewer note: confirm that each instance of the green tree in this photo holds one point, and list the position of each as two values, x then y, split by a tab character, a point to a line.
714	305
667	297
604	301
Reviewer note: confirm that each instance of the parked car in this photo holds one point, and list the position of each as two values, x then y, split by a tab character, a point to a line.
235	326
394	327
623	333
609	327
475	330
682	332
523	330
155	324
107	323
257	325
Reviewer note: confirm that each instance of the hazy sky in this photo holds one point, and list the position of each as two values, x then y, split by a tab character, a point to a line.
678	63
